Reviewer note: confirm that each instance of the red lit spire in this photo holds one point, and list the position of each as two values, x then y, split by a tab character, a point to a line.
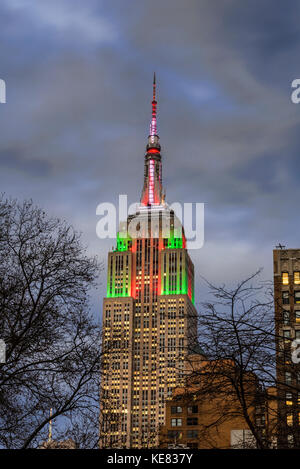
152	191
153	129
153	145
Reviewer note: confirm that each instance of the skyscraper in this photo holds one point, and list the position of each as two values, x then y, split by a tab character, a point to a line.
149	319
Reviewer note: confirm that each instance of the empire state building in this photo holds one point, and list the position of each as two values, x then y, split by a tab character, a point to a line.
149	318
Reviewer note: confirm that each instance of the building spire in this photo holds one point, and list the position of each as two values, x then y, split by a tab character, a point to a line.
153	139
152	191
153	125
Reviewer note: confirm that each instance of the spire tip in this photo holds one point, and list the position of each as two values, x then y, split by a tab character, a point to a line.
153	130
154	86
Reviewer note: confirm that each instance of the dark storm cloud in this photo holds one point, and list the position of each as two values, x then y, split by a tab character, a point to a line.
74	128
13	159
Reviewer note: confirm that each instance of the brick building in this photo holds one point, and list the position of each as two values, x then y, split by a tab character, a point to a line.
206	413
287	326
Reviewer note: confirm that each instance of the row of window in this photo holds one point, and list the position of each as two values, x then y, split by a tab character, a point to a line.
285	278
288	377
177	422
286	297
190	410
287	334
286	315
290	399
290	419
175	434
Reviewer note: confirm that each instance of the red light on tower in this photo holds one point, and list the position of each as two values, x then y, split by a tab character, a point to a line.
153	192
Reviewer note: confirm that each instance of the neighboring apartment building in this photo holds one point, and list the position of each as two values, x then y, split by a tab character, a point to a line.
287	323
206	413
149	318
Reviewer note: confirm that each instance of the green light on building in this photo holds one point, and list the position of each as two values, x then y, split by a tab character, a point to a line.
123	243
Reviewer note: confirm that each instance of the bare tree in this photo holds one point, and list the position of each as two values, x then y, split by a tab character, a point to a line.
237	335
52	341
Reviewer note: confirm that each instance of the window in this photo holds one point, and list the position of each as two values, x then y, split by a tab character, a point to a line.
174	434
286	355
285	298
176	422
297	297
290	439
289	419
193	445
297	334
176	409
192	421
288	398
297	314
192	409
287	335
192	434
297	278
260	420
285	278
286	317
288	377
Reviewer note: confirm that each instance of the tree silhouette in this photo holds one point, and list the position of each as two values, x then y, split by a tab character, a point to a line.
52	342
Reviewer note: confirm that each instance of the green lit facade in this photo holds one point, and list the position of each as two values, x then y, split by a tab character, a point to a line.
175	268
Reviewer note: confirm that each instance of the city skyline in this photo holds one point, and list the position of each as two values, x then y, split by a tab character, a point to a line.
178	329
77	101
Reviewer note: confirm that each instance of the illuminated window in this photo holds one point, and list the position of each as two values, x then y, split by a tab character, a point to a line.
288	398
285	278
176	422
297	278
297	314
289	419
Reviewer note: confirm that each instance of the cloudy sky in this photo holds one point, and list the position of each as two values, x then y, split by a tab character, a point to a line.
74	128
